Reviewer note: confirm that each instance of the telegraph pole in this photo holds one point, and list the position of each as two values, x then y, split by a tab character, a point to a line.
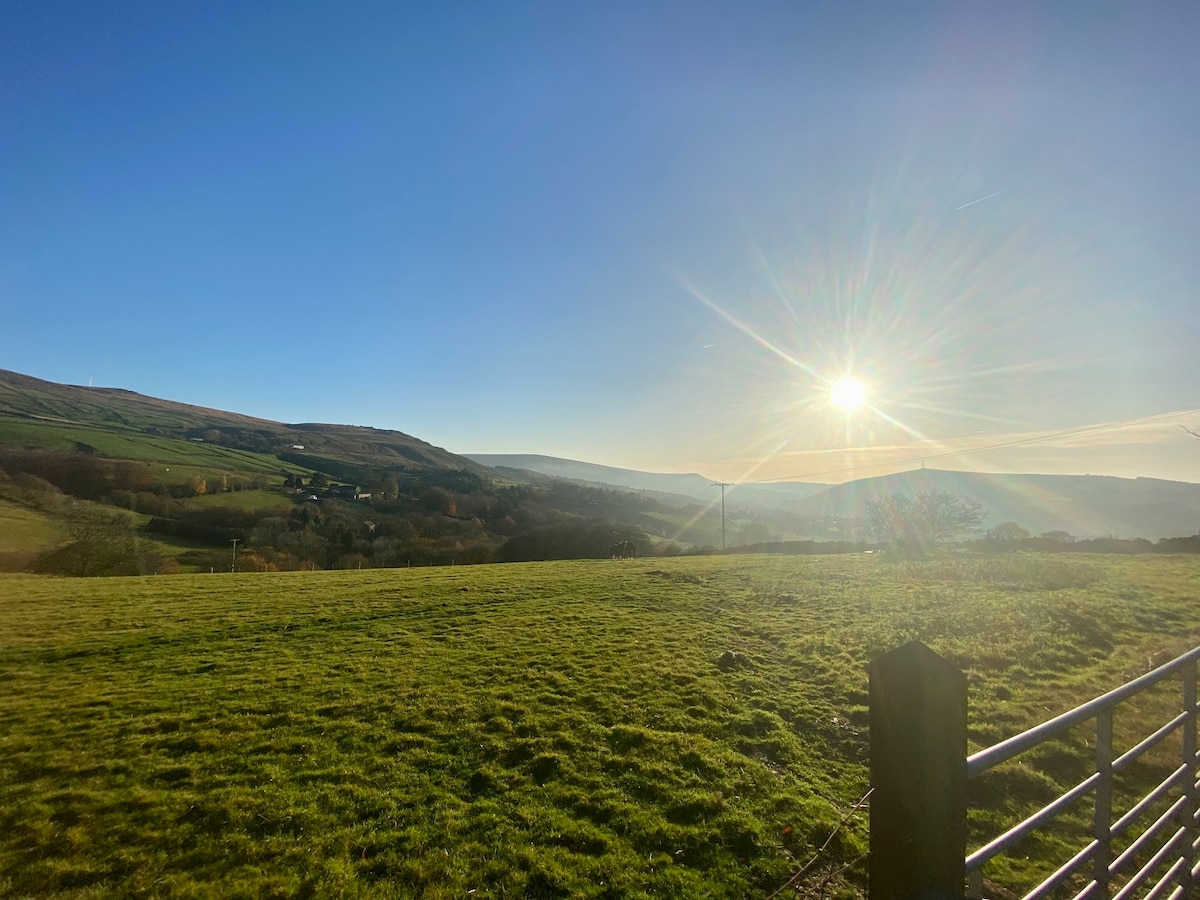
233	563
722	485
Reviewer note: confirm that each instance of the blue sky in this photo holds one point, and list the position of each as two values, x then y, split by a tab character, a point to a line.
641	234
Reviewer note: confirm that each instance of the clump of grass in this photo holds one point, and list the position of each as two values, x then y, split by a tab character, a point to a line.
1023	572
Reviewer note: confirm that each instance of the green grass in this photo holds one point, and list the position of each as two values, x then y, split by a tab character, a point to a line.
27	530
31	410
119	443
550	729
689	528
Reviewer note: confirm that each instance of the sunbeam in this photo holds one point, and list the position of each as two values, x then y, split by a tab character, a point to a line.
909	324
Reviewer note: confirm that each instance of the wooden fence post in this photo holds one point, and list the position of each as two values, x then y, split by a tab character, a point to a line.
918	776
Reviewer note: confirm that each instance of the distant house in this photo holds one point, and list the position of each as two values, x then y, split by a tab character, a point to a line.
346	492
297	446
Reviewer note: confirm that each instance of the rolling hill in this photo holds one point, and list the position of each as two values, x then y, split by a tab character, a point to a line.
1082	505
687	485
120	424
41	414
690	486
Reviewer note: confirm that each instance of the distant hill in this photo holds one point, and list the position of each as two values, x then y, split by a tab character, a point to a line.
1083	505
72	416
691	487
119	424
99	481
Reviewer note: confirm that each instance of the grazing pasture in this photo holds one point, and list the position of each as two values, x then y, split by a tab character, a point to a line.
123	442
668	728
26	530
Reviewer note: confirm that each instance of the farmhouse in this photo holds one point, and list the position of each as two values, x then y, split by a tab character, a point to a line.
346	492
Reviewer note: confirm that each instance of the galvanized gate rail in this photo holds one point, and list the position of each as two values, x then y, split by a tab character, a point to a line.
919	775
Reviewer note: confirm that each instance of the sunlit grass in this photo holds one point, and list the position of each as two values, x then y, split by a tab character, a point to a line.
556	729
23	529
120	442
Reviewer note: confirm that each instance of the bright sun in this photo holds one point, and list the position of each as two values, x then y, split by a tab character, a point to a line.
848	393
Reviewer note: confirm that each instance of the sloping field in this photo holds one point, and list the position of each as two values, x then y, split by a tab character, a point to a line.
120	424
23	529
118	443
684	728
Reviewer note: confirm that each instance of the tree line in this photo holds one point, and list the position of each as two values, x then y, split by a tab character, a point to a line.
439	517
914	525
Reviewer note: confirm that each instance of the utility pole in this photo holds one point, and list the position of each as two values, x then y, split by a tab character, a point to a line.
233	563
722	485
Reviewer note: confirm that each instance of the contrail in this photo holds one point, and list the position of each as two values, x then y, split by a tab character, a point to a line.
980	200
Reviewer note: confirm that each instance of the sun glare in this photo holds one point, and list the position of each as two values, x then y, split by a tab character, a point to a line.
848	393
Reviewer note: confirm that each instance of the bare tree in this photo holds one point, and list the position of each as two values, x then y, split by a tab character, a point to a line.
1007	531
102	543
915	524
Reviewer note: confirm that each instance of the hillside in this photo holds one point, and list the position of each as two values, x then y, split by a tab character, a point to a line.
1083	505
98	481
41	414
307	495
687	485
690	486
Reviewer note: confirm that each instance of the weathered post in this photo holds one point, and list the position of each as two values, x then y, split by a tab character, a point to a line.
918	776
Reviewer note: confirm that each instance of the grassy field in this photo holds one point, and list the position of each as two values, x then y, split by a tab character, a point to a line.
23	529
652	728
118	443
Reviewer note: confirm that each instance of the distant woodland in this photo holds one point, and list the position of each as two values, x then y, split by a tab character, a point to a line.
115	510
